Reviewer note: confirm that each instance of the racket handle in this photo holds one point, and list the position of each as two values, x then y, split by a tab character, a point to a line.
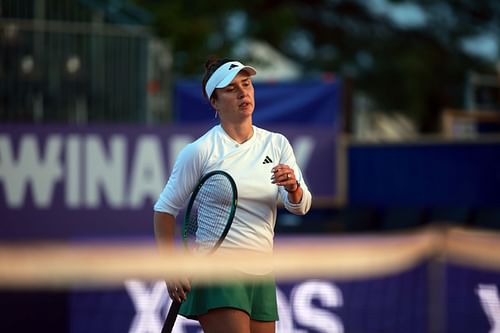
171	317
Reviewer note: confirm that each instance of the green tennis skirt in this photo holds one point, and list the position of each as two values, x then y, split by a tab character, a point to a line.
256	297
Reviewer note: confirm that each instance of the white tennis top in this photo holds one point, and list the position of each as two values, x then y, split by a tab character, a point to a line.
250	165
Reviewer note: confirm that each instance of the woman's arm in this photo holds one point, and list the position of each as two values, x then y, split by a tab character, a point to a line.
164	225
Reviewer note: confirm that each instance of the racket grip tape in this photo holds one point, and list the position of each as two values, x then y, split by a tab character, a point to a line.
171	317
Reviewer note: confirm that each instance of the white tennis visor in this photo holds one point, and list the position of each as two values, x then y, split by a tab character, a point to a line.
225	74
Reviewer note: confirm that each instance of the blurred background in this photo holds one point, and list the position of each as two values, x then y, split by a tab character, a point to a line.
392	107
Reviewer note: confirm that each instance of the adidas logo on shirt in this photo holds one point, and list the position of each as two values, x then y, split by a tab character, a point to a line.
267	160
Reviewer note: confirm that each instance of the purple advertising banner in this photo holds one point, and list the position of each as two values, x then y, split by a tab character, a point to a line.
102	180
391	304
401	302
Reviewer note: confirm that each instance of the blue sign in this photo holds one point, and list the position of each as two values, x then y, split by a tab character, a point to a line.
304	103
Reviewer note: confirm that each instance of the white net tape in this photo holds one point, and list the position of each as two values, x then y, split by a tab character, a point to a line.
339	257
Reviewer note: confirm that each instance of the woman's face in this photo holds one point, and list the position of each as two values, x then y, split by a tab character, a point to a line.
235	101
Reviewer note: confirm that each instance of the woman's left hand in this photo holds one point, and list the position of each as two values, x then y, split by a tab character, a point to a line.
283	175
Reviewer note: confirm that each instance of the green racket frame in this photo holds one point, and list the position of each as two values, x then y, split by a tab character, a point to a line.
193	198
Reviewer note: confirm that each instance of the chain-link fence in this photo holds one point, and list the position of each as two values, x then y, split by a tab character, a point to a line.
74	67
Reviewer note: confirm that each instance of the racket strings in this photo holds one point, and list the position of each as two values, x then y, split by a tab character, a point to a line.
209	214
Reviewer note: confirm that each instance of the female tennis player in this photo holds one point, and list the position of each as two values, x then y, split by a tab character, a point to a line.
264	168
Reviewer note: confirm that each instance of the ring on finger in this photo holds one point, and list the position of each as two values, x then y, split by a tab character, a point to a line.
288	176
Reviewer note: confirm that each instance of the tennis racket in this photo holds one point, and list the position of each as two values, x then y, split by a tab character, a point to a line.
208	218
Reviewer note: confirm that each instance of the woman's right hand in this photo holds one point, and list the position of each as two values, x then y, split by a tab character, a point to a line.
177	290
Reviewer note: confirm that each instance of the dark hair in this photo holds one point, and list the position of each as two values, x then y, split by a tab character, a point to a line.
212	64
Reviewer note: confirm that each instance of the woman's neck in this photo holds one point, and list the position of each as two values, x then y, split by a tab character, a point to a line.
240	132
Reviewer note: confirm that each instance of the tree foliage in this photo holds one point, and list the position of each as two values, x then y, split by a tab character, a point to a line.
418	69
